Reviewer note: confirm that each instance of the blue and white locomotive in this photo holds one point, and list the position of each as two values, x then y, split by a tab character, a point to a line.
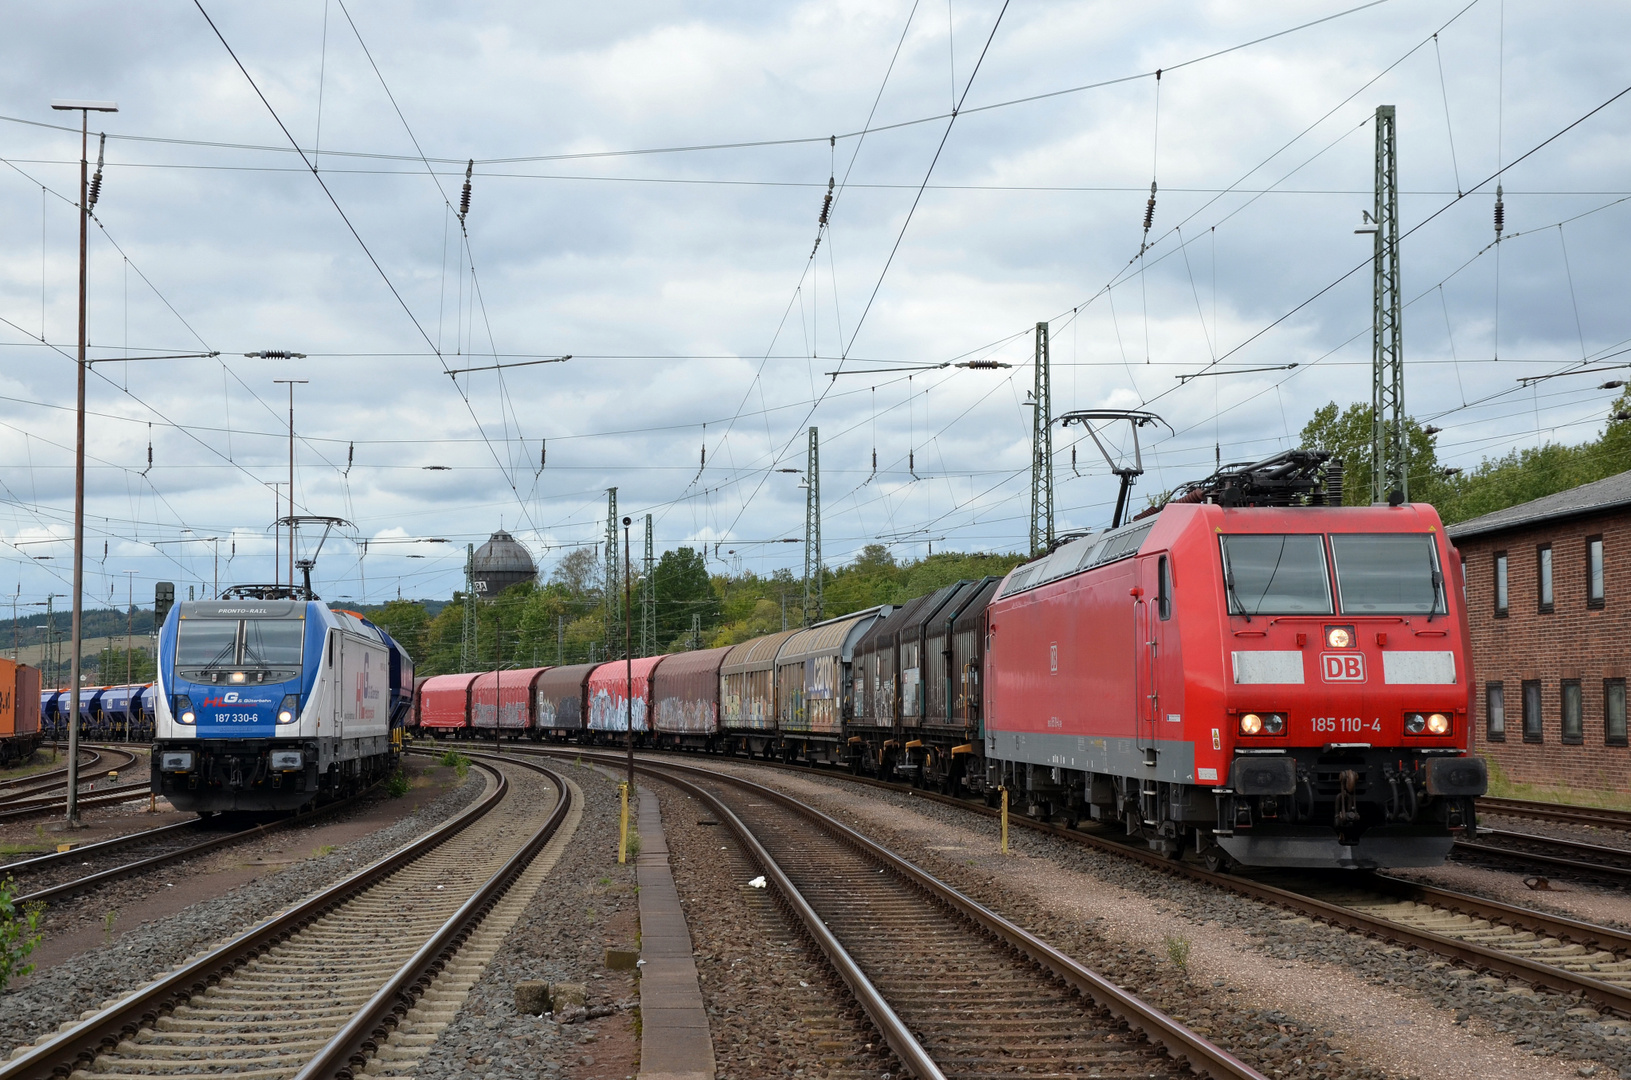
269	699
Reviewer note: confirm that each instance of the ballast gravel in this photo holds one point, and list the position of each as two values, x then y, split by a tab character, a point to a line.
586	903
35	1008
774	1007
1293	998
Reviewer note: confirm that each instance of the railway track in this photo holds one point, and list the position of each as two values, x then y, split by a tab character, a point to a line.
1500	940
997	1002
1548	852
320	989
1548	811
30	791
61	874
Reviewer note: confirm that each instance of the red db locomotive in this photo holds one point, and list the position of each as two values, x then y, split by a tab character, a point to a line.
1253	671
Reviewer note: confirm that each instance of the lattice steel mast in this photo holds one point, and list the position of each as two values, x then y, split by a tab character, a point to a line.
1390	450
1042	448
467	641
648	599
812	532
613	585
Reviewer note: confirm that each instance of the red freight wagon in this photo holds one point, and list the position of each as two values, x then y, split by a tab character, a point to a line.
558	699
1279	685
444	704
514	702
608	690
418	686
685	688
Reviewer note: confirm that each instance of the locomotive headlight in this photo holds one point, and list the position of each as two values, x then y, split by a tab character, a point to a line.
236	677
1273	724
1414	723
184	710
1339	637
289	709
1438	724
1250	724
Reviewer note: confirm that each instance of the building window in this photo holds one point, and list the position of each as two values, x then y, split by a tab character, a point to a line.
1573	721
1495	711
1594	571
1543	558
1500	584
1614	712
1531	710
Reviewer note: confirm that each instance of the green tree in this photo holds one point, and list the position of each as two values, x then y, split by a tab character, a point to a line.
118	665
1347	435
683	589
19	932
406	621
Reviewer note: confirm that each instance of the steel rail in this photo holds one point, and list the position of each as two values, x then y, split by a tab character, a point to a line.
77	1047
48	803
347	1053
59	775
1540	922
1622	869
23	795
1550	811
1183	1044
102	877
1607	995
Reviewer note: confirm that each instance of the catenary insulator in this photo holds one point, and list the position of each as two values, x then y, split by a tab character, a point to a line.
96	181
1500	212
1149	209
464	197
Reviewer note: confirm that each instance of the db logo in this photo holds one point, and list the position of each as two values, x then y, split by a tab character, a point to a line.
1343	667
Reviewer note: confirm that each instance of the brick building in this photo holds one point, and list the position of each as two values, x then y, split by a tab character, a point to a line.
1549	601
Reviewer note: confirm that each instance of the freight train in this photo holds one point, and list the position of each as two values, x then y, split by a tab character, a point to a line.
1250	672
121	713
269	699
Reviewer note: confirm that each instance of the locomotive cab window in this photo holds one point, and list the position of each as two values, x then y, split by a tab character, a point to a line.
1388	574
1276	574
1163	599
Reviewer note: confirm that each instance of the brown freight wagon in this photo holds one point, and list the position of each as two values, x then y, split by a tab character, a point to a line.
954	654
877	668
559	706
686	690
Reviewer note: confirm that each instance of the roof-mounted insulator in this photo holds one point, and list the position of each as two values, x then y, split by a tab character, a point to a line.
96	181
464	197
1500	213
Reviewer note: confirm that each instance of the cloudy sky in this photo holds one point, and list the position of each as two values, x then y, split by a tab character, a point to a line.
647	189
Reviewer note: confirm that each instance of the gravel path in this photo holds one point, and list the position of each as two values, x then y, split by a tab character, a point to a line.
35	1007
1293	998
586	903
